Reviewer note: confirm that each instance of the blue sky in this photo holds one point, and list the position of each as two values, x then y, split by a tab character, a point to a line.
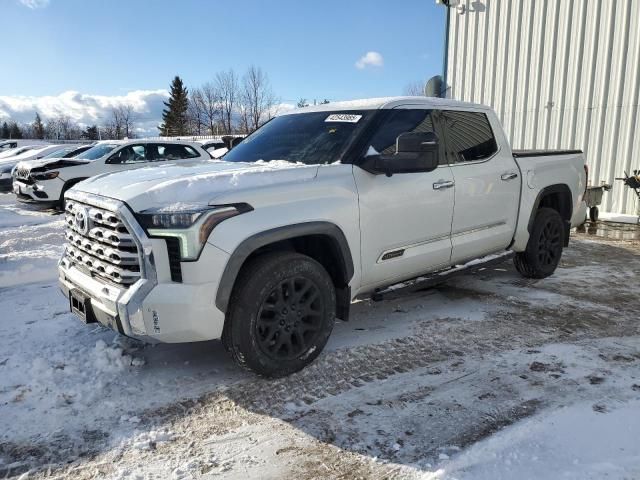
308	48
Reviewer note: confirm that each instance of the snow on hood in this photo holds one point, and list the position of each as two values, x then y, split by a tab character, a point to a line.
43	162
192	184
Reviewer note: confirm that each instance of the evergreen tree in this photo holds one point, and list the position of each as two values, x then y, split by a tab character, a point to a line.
91	133
14	131
174	117
4	132
38	127
302	103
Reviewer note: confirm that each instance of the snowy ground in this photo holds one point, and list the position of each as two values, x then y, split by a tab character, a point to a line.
488	376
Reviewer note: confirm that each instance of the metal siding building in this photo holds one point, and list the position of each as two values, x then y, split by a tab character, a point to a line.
559	73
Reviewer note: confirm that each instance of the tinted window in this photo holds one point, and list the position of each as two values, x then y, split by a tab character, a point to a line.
130	154
469	136
395	123
312	138
173	152
76	151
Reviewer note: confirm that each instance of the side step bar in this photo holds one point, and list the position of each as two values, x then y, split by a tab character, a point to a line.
435	278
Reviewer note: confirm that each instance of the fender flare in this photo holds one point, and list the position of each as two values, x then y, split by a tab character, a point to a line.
254	242
556	188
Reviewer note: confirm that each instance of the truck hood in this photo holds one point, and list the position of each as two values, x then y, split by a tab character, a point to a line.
174	186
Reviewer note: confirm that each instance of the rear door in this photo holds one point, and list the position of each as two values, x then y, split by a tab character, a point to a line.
487	185
405	219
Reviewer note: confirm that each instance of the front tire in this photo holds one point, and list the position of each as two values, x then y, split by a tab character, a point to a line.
544	249
281	313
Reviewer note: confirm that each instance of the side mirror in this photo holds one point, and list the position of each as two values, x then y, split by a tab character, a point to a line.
415	152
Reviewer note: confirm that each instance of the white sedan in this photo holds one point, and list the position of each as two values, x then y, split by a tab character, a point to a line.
45	181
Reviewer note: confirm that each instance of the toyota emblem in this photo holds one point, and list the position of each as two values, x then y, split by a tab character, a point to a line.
82	220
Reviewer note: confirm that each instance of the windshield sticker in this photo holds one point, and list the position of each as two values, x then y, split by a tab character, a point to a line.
343	117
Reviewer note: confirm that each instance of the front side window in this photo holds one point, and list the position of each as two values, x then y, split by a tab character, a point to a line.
129	154
313	138
469	136
395	123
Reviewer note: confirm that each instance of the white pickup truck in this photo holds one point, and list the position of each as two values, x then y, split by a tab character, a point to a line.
319	206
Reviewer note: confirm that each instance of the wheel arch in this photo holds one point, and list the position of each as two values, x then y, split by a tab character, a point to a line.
323	241
69	184
559	198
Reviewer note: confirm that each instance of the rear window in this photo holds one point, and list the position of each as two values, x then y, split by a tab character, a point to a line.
174	152
469	136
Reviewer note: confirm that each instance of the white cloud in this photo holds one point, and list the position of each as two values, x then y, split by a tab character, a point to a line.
33	4
370	59
87	109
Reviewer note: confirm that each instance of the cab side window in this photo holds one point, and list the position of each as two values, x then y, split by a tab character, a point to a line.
130	154
469	136
395	123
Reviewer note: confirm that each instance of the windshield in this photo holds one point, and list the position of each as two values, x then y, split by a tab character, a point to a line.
313	138
96	152
59	153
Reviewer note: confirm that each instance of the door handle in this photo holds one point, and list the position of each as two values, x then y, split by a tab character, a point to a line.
508	176
443	184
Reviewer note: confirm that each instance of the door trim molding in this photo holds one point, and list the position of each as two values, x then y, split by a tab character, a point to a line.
479	228
392	252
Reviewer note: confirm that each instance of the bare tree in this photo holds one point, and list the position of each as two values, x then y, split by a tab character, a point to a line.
195	113
123	120
211	105
62	127
257	97
226	84
414	89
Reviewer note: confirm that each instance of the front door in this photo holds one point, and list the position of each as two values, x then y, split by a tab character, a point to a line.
405	219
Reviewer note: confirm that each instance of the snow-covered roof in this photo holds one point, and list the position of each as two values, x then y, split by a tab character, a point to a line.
387	102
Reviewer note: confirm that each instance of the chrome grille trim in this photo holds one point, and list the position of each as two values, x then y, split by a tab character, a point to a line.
105	247
23	173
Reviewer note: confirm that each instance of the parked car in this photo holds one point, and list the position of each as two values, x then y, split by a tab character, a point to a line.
17	151
45	181
319	206
7	145
15	156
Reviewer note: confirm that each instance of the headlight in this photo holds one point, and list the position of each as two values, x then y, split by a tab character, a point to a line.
45	175
192	228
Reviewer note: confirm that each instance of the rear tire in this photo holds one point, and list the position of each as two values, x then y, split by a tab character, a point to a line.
593	214
544	249
281	313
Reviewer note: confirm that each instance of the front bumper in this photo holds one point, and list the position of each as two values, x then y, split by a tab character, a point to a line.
153	309
47	192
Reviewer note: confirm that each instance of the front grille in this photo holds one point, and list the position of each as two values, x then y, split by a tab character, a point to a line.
22	173
100	243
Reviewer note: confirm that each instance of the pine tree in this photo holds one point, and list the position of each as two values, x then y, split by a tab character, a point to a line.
4	132
38	127
174	117
91	133
14	131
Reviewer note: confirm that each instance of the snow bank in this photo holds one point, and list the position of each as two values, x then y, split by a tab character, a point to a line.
575	442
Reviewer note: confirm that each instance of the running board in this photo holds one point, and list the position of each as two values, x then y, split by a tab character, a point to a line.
435	278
